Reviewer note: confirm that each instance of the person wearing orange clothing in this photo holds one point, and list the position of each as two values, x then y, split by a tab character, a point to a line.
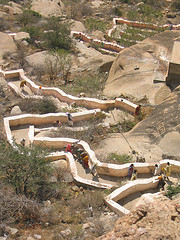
85	162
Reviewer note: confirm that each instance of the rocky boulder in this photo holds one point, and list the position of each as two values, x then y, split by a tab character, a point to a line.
7	45
47	8
20	36
37	59
162	126
13	8
78	26
157	220
15	111
141	69
90	59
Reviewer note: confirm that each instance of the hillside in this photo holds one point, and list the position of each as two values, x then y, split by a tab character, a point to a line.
86	52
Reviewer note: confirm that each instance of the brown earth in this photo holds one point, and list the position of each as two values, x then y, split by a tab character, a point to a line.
157	220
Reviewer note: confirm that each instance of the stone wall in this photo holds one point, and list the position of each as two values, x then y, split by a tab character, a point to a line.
62	96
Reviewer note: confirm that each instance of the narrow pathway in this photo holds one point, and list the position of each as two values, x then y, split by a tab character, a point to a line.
26	91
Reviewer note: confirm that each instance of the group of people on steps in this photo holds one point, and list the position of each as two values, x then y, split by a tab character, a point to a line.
163	174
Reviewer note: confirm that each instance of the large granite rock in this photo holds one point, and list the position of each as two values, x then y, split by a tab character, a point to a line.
47	8
91	59
7	45
78	26
156	220
13	8
21	35
141	69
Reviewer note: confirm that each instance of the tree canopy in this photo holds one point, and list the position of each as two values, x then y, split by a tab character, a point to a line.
24	168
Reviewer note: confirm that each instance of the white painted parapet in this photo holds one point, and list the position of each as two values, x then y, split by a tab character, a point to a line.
72	165
117	170
62	96
125	104
102	44
102	168
140	25
124	191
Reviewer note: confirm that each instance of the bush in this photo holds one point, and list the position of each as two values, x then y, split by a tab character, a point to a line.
59	66
25	169
57	35
172	190
145	13
17	208
127	125
34	32
117	11
120	159
39	106
175	5
28	17
90	84
92	24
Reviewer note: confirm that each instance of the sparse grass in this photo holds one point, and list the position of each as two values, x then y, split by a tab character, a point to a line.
40	106
119	159
145	13
129	35
172	190
91	132
4	2
90	84
93	24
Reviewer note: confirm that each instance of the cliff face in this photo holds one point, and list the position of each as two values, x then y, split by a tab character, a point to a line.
141	69
162	127
157	220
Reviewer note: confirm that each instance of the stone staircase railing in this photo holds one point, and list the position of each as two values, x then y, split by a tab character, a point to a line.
102	168
140	25
62	96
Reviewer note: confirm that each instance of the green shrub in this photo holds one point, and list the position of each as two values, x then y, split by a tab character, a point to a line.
93	24
145	13
25	169
4	2
120	159
117	11
149	13
40	106
28	17
172	190
57	35
34	32
90	84
127	125
175	5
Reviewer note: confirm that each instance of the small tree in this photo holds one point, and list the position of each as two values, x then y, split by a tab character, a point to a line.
57	34
25	169
28	17
58	65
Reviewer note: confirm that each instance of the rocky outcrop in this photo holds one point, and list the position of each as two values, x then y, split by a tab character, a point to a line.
162	126
20	36
157	220
78	26
13	8
47	8
141	69
7	45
